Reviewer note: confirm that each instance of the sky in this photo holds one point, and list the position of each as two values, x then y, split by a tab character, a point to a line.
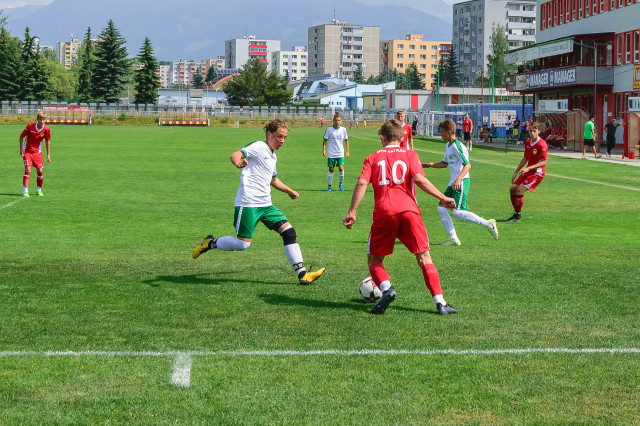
415	4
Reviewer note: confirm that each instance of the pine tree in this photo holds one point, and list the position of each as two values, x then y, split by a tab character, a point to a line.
197	79
358	77
111	65
86	64
451	73
412	77
34	76
211	74
254	86
146	79
10	66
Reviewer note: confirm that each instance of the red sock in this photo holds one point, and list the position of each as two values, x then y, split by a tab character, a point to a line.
378	273
25	179
432	278
517	201
39	180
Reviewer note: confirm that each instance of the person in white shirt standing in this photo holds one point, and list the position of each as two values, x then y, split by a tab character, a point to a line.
335	138
253	202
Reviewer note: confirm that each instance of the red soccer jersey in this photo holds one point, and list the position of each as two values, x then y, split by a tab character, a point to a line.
406	132
35	137
466	125
391	170
536	152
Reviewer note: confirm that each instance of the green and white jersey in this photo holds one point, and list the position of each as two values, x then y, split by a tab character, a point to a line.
255	179
335	138
456	157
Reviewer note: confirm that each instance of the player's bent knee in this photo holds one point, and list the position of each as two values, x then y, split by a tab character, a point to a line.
289	236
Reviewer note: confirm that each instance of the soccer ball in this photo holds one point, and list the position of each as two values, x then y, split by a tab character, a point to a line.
369	290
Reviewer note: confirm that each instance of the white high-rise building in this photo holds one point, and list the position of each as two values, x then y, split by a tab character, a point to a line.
291	63
68	51
239	51
472	27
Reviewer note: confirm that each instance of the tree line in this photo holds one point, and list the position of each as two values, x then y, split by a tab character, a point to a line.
102	72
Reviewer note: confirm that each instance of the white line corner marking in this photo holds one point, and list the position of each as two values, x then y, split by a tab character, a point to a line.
182	370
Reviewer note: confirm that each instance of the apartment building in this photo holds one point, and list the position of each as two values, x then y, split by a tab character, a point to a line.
587	58
181	72
67	51
340	49
291	63
472	27
239	51
398	54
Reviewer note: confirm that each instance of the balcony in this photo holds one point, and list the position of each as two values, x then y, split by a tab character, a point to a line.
521	13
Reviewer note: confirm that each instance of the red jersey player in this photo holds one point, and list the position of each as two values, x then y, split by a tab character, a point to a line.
528	178
31	151
394	172
407	134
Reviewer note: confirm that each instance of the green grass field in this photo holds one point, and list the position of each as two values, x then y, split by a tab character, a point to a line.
106	318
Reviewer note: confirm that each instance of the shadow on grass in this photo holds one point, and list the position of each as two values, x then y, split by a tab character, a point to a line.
196	279
354	304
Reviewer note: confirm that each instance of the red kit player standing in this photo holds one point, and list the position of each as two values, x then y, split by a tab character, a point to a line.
394	172
31	151
528	178
407	135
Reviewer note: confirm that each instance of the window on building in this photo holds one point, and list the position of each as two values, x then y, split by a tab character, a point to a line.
619	49
423	57
580	9
424	46
612	5
434	66
412	47
636	46
412	56
400	56
601	6
423	66
400	65
627	45
567	6
400	46
621	3
434	57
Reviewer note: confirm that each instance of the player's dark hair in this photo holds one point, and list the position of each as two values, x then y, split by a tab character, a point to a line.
392	130
592	117
447	124
275	125
336	115
534	126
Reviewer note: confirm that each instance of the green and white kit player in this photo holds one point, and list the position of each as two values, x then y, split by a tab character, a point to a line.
456	157
334	137
253	202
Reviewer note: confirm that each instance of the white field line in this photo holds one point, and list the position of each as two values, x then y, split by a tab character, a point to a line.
181	376
12	203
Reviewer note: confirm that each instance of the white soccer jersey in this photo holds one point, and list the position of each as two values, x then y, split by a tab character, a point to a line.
255	179
456	157
336	137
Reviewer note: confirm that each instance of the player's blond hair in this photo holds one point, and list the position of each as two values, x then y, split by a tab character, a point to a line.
534	126
392	130
275	125
41	114
401	111
447	124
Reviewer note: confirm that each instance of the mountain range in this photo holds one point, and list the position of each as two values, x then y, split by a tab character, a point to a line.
197	29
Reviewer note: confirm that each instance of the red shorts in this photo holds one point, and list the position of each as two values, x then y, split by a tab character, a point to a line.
530	181
33	159
408	227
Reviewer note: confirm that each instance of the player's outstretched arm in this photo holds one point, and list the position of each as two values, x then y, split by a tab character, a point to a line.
238	160
438	165
356	198
277	184
425	184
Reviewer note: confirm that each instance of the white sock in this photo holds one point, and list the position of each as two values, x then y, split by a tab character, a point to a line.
439	299
25	189
341	177
385	285
231	244
447	222
38	188
329	178
471	217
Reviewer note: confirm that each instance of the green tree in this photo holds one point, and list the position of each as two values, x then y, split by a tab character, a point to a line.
146	78
254	86
451	71
112	68
10	66
211	74
358	77
495	60
412	77
86	63
197	80
34	76
62	82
